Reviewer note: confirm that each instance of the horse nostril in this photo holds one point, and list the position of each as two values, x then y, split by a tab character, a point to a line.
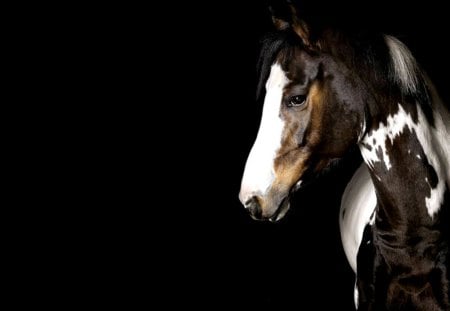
252	205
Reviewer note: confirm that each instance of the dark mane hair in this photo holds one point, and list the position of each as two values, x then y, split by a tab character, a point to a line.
271	44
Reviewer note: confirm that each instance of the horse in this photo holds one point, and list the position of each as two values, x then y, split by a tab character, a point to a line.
327	92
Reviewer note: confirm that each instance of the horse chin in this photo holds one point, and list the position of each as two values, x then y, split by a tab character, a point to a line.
282	210
285	204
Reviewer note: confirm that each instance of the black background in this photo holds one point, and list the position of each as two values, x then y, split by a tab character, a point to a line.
160	106
204	250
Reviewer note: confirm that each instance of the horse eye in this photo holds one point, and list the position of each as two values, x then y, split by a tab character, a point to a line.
296	101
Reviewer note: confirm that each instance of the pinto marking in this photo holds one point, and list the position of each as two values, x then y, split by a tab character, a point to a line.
377	139
374	143
438	157
359	202
441	132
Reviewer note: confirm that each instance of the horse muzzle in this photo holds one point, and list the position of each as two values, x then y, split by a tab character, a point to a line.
259	210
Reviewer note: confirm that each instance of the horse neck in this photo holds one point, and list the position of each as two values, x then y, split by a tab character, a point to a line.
408	156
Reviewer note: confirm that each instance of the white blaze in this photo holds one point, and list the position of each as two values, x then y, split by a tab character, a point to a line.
259	169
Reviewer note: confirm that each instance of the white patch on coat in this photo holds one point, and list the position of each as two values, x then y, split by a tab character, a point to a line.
359	202
259	169
434	141
376	139
441	132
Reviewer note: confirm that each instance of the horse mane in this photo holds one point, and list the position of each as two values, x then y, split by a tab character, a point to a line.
271	44
404	68
385	65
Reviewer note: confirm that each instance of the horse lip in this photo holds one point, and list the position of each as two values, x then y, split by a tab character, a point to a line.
285	203
297	185
282	210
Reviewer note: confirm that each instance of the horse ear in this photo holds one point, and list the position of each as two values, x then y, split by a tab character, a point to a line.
284	16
